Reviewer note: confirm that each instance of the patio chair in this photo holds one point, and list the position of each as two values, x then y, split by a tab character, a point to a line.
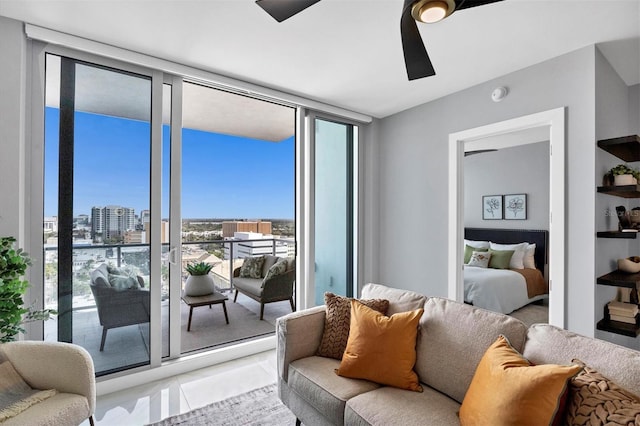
275	289
118	307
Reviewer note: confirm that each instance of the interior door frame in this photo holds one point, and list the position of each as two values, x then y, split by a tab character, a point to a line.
472	139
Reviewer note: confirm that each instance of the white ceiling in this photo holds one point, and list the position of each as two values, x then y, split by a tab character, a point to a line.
348	52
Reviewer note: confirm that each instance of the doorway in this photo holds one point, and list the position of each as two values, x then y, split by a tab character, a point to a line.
496	136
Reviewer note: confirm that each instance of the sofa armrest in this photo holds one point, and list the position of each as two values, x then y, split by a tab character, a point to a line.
54	365
298	336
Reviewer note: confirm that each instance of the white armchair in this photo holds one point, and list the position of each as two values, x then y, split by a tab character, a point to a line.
64	367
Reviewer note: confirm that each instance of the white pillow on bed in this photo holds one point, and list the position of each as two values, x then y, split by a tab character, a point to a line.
530	261
477	244
517	260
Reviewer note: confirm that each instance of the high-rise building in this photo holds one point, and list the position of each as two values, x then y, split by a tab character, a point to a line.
51	224
229	228
111	222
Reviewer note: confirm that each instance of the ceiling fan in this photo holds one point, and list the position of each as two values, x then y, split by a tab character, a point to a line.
415	54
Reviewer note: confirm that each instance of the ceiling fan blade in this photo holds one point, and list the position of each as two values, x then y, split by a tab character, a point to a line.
284	9
416	58
466	4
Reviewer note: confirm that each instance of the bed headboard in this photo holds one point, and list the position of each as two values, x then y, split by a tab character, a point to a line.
514	236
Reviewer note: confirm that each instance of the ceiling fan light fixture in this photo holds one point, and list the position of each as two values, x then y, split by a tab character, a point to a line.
431	11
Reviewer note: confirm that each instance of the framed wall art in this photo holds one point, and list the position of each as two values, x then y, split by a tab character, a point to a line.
515	207
492	207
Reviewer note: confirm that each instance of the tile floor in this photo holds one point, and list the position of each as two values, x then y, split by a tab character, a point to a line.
152	402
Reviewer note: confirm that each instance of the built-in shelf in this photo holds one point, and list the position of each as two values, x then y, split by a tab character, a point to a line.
618	327
618	278
626	148
631	330
624	191
617	234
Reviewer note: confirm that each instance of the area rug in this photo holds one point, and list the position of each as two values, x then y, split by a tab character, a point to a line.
257	407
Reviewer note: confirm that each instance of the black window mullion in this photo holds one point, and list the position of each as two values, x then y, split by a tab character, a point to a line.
65	200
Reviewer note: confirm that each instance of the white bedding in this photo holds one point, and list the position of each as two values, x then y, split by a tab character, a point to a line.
498	290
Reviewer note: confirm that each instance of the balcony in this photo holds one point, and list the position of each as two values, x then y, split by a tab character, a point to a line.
128	346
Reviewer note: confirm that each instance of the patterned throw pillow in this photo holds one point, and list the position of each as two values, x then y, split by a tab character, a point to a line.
278	268
596	400
123	282
252	267
480	259
338	320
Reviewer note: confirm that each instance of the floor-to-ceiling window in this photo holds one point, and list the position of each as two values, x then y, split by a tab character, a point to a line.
97	168
145	170
335	145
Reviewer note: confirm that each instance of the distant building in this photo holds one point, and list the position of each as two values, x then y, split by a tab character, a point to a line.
51	224
111	222
245	248
229	228
135	237
164	231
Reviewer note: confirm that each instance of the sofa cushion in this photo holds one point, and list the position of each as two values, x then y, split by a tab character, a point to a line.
449	327
252	267
269	261
595	399
249	285
392	406
399	300
313	379
60	409
382	349
547	344
507	390
337	322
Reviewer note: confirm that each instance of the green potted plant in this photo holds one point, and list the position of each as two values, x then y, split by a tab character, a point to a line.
624	175
13	313
199	283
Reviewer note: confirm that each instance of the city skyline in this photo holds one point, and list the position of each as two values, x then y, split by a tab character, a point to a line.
223	176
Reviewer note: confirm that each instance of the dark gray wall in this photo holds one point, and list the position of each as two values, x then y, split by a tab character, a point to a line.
516	170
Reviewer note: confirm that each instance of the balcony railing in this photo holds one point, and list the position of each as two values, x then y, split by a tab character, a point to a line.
225	254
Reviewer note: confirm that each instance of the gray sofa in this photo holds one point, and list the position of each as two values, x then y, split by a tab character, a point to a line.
452	339
275	289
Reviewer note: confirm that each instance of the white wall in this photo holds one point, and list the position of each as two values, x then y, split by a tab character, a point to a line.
414	172
517	170
12	155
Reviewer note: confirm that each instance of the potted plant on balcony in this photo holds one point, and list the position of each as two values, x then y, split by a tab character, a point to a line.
624	175
13	313
199	283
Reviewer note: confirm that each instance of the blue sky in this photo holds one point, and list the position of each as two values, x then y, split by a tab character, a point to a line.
222	176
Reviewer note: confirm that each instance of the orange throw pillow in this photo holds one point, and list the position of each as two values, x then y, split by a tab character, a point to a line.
381	348
507	390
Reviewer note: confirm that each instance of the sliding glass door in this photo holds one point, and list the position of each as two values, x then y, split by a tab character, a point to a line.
335	145
97	197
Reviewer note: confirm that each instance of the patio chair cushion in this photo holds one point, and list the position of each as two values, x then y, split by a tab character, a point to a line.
249	285
100	276
269	261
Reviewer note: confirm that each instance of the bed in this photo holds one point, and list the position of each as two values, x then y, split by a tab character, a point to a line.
506	290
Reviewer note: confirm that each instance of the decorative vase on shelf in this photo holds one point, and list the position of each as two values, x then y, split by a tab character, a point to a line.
620	180
199	283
